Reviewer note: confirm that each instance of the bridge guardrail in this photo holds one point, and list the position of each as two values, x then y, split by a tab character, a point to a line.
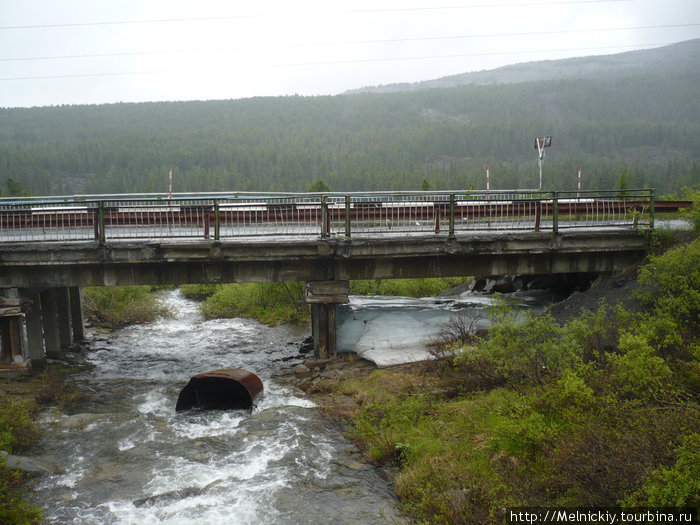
221	215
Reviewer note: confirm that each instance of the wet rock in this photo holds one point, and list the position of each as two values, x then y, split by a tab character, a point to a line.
488	287
504	285
175	494
313	364
302	370
29	465
307	346
79	421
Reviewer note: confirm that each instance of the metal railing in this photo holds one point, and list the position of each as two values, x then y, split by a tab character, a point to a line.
225	216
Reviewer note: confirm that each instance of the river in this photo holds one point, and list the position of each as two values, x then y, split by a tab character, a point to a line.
127	457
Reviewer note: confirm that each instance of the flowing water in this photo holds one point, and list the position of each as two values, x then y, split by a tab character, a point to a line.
127	456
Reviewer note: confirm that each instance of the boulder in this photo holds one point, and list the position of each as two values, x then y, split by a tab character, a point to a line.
30	466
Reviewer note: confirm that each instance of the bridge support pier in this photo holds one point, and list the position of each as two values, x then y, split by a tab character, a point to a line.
14	356
324	296
35	331
63	311
76	314
49	322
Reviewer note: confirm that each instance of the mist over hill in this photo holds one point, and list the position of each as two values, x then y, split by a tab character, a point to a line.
635	113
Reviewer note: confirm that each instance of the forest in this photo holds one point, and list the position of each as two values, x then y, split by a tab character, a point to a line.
643	124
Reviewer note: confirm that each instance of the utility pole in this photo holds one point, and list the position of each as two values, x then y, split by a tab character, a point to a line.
540	144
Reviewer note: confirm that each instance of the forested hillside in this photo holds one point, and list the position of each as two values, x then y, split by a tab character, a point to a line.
645	123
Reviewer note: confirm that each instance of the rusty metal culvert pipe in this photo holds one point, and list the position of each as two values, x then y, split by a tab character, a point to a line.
223	389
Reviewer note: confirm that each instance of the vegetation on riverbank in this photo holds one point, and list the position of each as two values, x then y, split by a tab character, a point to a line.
17	431
117	306
269	303
20	398
601	411
275	303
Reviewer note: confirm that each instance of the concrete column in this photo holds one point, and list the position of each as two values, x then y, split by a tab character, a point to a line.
322	332
324	296
49	320
35	332
76	314
63	306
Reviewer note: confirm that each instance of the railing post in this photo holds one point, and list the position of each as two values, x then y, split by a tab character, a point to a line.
347	216
217	221
325	226
101	222
555	212
652	205
451	234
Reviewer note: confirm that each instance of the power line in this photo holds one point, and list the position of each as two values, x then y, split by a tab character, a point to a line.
349	42
331	62
286	14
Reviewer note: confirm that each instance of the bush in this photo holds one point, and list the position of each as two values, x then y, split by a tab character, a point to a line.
17	430
529	351
678	486
198	292
17	433
14	509
270	303
637	372
116	306
403	287
693	214
670	286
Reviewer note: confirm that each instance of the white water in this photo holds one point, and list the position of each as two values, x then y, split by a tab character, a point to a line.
280	464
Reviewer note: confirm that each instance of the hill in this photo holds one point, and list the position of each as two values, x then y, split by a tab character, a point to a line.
672	58
642	120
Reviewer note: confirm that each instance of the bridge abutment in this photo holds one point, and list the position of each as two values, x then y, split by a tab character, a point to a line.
324	296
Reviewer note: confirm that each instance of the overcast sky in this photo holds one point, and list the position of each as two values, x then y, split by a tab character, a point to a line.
101	51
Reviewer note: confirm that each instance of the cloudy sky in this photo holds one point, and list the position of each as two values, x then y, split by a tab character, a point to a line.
102	51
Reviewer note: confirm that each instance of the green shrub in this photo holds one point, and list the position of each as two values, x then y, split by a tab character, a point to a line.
17	433
637	372
528	351
404	287
14	509
693	214
116	306
17	429
269	303
670	285
198	292
678	486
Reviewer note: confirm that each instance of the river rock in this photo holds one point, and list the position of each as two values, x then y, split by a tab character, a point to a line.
188	492
504	285
302	370
31	466
79	421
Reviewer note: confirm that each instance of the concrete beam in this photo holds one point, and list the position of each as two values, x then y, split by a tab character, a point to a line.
134	263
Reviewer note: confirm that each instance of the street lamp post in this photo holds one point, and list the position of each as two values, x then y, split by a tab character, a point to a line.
540	144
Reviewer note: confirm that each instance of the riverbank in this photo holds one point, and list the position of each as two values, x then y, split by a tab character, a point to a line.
562	409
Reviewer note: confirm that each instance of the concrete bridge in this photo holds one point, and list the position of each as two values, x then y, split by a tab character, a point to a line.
50	247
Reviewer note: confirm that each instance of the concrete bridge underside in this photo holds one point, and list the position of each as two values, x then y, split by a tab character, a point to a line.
44	272
171	262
